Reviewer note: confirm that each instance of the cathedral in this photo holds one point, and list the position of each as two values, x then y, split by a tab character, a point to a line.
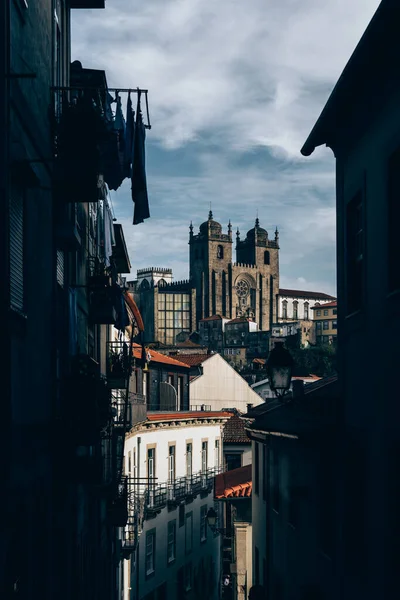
245	288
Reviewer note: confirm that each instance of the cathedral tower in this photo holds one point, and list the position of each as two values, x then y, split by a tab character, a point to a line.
210	268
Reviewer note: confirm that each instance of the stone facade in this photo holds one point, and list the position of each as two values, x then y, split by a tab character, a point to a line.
246	288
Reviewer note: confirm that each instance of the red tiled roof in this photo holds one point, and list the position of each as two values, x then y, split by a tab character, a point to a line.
234	484
234	431
194	360
213	318
188	344
157	356
304	294
184	415
325	305
259	361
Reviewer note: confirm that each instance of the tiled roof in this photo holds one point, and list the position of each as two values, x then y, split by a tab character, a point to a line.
305	294
259	361
157	356
325	305
185	415
234	431
188	344
234	484
240	320
194	360
319	384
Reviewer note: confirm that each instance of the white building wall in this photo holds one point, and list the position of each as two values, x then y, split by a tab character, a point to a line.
301	302
204	553
221	386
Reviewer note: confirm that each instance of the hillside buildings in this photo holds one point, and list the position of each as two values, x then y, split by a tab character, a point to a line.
325	322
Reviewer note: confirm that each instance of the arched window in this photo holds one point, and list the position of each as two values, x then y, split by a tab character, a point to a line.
266	257
306	311
284	309
220	251
295	309
162	283
144	285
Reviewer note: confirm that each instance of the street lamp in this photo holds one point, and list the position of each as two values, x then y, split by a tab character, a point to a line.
211	518
279	368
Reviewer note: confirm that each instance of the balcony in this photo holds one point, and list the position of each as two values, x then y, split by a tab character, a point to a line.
101	294
128	409
118	512
119	364
86	402
129	540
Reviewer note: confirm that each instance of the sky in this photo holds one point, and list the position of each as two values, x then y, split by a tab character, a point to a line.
234	90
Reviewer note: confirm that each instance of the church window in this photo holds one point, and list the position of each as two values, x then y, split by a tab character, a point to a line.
284	309
306	313
266	257
242	288
295	310
145	285
220	251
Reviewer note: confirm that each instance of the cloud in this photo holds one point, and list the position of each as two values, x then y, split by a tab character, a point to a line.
253	74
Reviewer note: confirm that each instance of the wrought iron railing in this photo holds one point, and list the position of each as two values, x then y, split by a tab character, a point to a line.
119	364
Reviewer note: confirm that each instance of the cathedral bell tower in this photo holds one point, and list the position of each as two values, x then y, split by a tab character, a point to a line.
211	268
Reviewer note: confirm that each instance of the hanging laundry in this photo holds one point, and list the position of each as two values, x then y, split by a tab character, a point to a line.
122	314
139	183
120	127
129	137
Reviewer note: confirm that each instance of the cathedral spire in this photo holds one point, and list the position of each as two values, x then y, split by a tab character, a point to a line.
191	229
277	235
257	224
230	228
210	215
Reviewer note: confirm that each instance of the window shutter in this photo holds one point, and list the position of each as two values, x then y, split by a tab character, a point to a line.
60	267
17	250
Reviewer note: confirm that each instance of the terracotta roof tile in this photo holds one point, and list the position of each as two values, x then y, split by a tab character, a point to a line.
305	294
184	415
194	360
213	318
157	356
325	305
234	484
234	431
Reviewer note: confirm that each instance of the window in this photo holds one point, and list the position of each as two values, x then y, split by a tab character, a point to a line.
334	311
256	467
188	577
151	465
393	218
318	325
171	541
204	456
216	454
326	324
326	312
295	310
266	257
171	464
129	463
189	532
284	309
318	313
203	523
134	464
180	393
145	384
189	460
16	248
355	252
334	324
220	252
181	515
150	552
306	311
233	461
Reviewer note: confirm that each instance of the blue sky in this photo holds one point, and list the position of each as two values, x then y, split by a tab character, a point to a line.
234	90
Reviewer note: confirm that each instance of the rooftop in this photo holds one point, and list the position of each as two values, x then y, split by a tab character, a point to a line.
325	305
234	484
187	415
157	356
234	431
305	294
213	318
194	360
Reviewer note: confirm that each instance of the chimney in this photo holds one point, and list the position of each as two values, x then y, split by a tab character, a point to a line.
298	388
249	407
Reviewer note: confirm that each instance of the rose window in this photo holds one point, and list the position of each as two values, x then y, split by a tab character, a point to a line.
242	288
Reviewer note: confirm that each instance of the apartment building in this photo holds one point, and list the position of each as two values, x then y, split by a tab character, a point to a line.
325	322
170	461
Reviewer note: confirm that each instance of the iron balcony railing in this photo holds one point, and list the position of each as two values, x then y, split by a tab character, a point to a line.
119	364
128	409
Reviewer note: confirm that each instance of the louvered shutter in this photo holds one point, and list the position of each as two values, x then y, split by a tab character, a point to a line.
17	250
60	267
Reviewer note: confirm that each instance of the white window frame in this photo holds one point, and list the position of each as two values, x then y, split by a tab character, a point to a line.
150	552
